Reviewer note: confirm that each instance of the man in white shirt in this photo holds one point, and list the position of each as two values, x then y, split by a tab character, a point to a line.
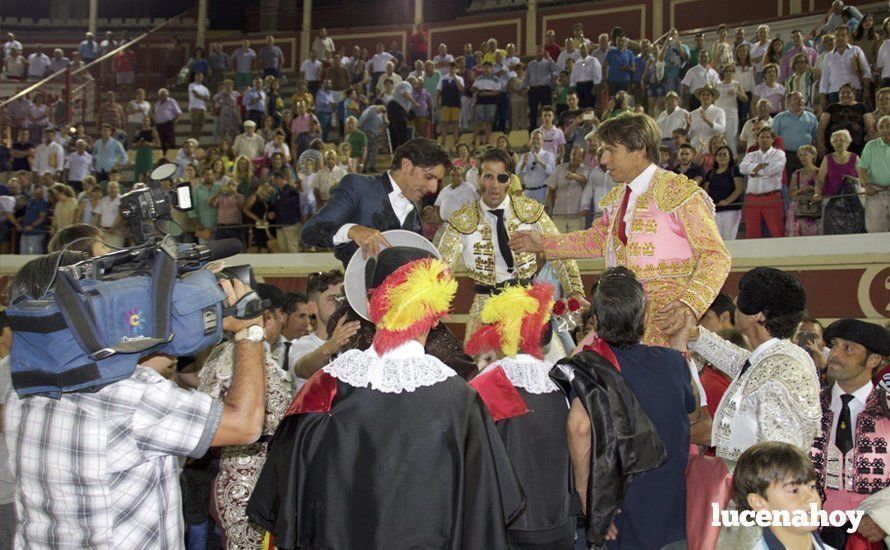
535	167
883	63
443	59
707	120
696	77
310	71
79	164
459	193
763	198
323	44
107	215
566	53
847	63
377	64
315	350
199	95
389	73
586	76
510	59
327	177
672	118
49	155
38	64
249	144
11	44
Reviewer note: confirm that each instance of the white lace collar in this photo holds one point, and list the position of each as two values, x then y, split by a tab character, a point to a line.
403	369
528	373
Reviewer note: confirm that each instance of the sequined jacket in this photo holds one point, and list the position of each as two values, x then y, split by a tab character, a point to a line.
468	240
867	470
240	465
776	399
673	245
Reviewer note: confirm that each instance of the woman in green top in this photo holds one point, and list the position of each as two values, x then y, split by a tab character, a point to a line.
146	140
358	146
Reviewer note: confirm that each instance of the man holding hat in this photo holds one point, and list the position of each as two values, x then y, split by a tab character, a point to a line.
361	207
851	456
388	447
530	412
774	394
478	236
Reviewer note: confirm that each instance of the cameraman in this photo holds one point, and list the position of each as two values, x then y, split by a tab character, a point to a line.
100	470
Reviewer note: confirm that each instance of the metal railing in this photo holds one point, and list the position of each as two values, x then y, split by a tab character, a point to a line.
76	88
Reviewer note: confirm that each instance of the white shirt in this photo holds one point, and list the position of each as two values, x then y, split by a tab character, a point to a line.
446	60
700	129
379	61
108	210
857	405
79	166
670	122
322	46
144	110
500	264
587	70
638	186
758	50
8	47
770	178
395	77
838	69
400	205
311	70
38	64
195	90
509	62
564	56
298	348
598	184
699	76
457	78
450	199
883	60
49	158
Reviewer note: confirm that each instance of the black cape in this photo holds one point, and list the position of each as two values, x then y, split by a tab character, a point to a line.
623	441
421	469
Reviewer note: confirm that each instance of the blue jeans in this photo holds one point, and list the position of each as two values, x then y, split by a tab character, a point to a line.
324	120
671	84
371	161
33	244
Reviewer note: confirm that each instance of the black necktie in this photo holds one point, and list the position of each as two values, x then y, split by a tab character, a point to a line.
286	363
745	367
503	238
843	438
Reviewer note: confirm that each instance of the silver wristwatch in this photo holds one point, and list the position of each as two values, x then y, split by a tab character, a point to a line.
253	333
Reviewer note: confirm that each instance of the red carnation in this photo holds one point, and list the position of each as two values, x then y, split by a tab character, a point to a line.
574	305
559	308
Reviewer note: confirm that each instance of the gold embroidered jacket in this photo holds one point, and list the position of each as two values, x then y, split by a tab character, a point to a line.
468	239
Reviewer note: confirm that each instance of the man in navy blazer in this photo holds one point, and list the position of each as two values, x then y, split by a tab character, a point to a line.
361	207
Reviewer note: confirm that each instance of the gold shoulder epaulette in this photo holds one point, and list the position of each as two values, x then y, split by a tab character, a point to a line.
612	196
673	190
466	218
526	209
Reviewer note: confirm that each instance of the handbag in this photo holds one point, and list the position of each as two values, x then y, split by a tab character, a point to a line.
844	215
806	207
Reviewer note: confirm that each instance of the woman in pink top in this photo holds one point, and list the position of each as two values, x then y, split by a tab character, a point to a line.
770	89
835	166
228	203
300	123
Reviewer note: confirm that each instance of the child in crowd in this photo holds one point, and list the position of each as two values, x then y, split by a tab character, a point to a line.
778	477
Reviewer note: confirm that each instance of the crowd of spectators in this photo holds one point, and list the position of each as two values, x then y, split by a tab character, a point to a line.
768	128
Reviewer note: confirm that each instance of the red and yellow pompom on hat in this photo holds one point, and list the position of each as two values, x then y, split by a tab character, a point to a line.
514	321
410	301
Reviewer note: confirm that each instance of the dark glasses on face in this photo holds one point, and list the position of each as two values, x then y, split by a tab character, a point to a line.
502	178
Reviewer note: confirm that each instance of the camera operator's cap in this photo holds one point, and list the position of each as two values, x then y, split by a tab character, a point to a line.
363	274
875	338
